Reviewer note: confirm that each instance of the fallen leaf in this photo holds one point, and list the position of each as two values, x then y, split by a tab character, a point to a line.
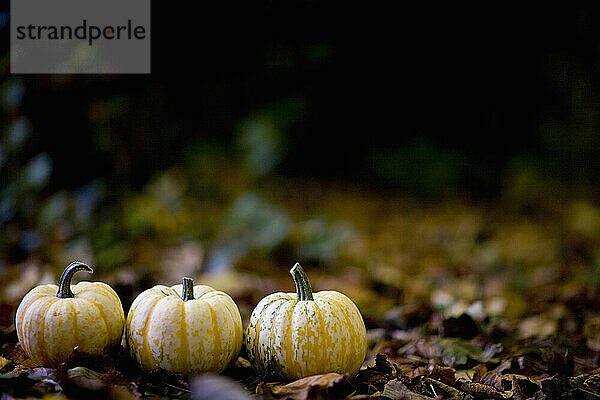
23	382
163	383
516	388
17	355
443	374
450	391
85	378
480	389
331	386
396	390
114	378
558	362
489	378
373	379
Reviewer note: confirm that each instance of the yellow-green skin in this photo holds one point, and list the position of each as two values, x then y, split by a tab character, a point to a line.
50	328
293	339
187	337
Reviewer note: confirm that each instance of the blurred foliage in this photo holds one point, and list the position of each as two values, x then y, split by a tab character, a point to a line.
261	136
421	168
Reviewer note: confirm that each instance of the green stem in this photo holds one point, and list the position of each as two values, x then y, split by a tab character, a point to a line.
187	291
64	283
303	289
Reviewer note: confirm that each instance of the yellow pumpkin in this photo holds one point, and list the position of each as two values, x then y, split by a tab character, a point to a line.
53	321
185	329
294	335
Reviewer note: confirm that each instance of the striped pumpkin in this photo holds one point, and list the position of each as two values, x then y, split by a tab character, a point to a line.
293	335
54	321
185	329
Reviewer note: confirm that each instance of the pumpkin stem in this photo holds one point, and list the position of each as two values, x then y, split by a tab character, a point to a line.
187	291
64	283
303	289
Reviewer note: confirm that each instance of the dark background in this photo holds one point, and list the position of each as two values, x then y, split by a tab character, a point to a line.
414	99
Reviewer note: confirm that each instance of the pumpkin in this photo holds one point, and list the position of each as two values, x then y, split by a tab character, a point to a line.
54	321
294	335
185	329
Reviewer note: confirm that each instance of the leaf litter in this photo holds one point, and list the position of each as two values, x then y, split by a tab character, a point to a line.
461	300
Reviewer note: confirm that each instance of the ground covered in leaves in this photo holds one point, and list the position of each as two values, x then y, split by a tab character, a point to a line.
462	299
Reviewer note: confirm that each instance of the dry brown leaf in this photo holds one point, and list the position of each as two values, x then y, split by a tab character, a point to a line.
396	390
518	392
444	374
373	379
450	391
520	377
311	387
17	354
489	378
22	382
3	362
481	389
492	379
85	378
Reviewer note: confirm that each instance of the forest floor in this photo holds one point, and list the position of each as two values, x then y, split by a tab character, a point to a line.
461	299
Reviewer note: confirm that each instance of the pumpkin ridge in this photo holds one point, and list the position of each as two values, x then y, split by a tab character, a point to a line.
235	326
271	336
106	289
42	339
97	287
75	330
133	308
216	338
102	316
207	292
294	366
22	337
201	344
350	343
185	347
166	291
258	325
287	338
261	351
323	361
146	353
301	366
358	313
135	342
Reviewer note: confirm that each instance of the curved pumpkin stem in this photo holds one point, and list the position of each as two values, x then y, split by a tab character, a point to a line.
187	291
303	289
64	283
